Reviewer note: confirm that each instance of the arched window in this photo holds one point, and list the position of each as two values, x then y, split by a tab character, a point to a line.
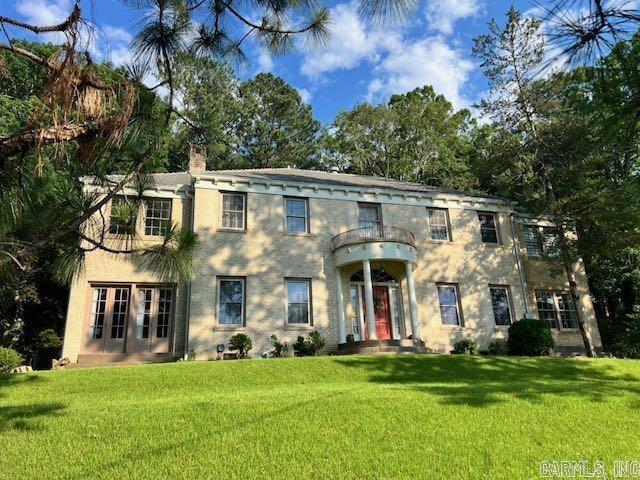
377	276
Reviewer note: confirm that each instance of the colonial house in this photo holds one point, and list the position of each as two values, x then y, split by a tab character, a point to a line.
373	264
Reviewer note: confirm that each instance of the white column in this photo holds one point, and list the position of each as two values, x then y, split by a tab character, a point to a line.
342	333
413	304
368	299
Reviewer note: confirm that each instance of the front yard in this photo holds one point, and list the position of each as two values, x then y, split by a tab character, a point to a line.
331	417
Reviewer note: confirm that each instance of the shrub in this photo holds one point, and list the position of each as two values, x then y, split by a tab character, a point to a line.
242	343
311	346
465	346
530	338
9	359
48	339
498	347
280	349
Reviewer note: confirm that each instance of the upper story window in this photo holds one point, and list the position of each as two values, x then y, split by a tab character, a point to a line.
501	302
233	215
157	217
370	215
438	224
449	298
297	215
298	301
488	227
231	301
122	218
557	308
541	241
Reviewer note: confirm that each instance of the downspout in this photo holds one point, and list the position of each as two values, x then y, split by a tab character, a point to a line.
188	316
523	281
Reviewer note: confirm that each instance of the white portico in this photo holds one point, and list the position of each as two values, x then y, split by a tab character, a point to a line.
379	257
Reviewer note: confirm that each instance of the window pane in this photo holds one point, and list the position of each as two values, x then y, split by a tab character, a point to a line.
369	216
567	310
232	211
500	302
296	225
532	241
165	298
546	308
297	292
550	237
296	208
231	290
157	217
143	317
98	308
355	309
298	313
231	313
447	295
449	315
122	220
438	233
119	316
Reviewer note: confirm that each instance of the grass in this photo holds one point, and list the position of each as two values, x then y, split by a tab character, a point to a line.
333	417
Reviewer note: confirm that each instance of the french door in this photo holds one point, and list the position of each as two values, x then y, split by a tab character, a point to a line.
130	318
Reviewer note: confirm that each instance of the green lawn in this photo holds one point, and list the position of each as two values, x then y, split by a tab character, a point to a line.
332	417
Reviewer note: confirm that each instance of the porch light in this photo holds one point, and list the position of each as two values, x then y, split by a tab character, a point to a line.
220	348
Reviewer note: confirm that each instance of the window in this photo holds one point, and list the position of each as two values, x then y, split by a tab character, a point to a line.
231	301
501	305
153	303
370	215
438	224
298	301
554	306
143	316
122	219
550	242
488	229
157	220
233	211
532	241
165	298
119	313
449	304
355	311
98	311
296	211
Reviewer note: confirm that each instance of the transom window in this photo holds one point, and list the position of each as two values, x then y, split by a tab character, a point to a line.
298	301
557	308
157	218
500	300
296	210
231	301
448	296
122	219
488	228
370	215
438	224
233	211
377	275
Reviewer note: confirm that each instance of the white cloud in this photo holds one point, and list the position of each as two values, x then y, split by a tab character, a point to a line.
305	95
265	62
430	61
43	12
350	43
443	14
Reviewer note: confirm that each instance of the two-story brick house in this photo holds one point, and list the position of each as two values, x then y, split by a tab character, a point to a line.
366	261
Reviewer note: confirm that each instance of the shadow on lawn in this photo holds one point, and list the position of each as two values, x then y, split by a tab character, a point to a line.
482	381
24	417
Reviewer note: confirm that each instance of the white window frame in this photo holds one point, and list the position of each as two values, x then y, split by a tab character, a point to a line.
305	201
243	282
377	207
458	305
495	227
159	227
446	225
535	229
507	290
309	322
244	211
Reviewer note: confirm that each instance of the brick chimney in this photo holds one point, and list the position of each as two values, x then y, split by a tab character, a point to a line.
197	158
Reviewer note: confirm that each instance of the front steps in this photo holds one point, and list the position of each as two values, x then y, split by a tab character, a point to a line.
383	347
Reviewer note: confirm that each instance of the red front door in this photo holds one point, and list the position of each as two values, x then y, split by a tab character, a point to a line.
381	313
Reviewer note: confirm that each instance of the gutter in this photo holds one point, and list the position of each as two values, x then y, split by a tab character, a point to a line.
523	280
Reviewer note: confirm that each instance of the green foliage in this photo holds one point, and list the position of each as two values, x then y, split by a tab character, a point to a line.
416	136
498	347
530	338
280	349
467	346
49	339
310	346
242	343
9	359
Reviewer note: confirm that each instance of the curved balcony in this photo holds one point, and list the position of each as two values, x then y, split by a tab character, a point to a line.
373	234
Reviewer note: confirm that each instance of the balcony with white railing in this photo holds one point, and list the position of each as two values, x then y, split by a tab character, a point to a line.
376	242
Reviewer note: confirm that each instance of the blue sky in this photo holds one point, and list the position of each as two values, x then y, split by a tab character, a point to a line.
360	63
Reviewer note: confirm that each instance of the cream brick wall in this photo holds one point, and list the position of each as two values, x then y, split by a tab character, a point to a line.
265	256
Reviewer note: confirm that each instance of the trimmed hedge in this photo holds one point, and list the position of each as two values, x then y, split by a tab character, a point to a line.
530	338
9	359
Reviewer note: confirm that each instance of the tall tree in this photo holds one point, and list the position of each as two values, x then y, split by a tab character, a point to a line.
275	128
511	58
